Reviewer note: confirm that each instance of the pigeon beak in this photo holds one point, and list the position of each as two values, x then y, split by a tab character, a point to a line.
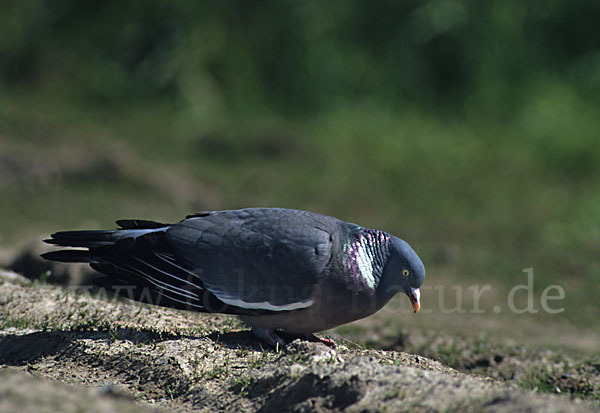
414	296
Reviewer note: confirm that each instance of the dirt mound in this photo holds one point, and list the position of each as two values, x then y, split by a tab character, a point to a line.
24	393
184	361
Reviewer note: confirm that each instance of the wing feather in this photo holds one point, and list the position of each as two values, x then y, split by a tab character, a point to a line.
268	259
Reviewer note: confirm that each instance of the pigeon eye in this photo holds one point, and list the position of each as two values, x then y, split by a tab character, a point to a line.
405	272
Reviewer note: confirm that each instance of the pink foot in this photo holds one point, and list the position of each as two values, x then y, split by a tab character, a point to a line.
316	339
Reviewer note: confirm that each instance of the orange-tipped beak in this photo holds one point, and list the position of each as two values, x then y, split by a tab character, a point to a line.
415	296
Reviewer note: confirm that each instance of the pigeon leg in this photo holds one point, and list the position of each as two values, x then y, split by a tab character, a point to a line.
316	339
268	336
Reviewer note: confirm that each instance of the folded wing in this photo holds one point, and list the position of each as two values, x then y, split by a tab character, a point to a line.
244	261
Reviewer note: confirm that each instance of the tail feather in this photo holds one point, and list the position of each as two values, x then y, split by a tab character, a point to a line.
71	256
134	265
138	263
86	238
97	238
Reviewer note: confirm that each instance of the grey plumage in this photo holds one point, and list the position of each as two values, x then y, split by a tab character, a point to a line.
276	268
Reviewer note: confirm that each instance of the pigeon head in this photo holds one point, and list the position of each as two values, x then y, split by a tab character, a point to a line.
404	271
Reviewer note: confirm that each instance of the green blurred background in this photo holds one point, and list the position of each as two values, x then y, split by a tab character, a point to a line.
468	128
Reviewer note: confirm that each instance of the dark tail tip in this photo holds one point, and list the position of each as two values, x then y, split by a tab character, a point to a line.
85	238
69	256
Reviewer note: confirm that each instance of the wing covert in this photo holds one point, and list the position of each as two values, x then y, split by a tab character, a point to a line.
269	259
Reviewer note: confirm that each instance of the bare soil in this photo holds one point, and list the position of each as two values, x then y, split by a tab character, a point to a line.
62	349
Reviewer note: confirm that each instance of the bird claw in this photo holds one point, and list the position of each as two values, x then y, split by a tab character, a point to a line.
273	339
268	336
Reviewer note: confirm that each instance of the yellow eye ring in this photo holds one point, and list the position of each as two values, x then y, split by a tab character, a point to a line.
405	272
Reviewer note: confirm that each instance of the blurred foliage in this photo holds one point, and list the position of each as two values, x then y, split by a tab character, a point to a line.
470	128
303	56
